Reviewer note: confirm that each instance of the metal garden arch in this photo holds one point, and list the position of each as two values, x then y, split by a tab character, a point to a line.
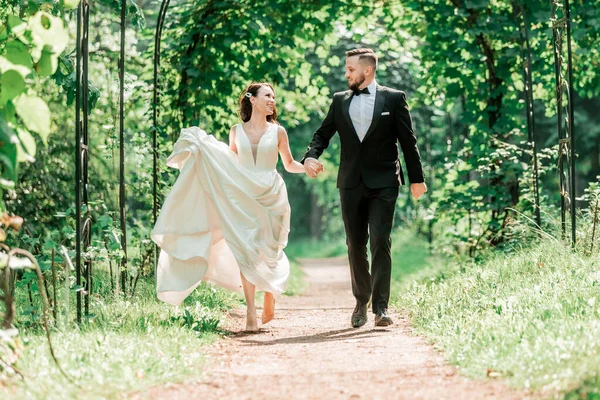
564	90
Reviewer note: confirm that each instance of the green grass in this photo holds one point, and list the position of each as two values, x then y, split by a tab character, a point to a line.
129	345
312	248
307	248
531	317
296	282
412	261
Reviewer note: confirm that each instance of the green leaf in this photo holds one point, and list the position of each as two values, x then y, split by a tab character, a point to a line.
12	84
6	184
35	114
10	113
334	61
453	90
193	72
77	288
49	33
303	78
453	72
27	150
321	52
475	4
105	221
18	53
3	32
16	57
47	64
8	150
71	4
15	23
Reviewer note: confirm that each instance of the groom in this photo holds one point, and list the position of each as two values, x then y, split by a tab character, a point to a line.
371	120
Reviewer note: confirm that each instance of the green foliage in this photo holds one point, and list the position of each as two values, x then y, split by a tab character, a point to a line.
214	49
204	324
309	248
31	41
528	317
588	234
413	259
128	344
471	134
470	67
459	62
11	348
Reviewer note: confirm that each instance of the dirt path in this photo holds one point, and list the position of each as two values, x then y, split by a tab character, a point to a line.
310	352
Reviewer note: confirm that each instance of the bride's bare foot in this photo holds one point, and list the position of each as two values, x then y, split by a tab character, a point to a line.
268	308
251	322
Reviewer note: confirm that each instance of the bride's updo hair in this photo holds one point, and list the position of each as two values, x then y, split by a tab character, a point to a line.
246	105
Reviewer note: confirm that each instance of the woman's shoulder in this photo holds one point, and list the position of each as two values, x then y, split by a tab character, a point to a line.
280	129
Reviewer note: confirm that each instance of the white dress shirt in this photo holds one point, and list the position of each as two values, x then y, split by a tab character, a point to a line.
361	110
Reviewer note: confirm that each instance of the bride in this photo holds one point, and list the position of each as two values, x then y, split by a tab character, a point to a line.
227	218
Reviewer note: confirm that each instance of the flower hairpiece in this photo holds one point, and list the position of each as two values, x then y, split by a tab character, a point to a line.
248	94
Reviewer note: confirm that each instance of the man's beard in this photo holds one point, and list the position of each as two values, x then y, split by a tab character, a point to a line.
354	87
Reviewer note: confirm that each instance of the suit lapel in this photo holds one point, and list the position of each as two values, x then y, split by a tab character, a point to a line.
346	112
377	109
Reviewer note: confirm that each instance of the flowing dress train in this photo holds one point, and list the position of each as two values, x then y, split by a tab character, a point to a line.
226	213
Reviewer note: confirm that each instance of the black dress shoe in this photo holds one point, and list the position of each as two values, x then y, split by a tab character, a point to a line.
359	316
382	318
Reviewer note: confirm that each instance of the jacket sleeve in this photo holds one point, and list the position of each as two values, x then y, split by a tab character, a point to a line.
322	136
408	140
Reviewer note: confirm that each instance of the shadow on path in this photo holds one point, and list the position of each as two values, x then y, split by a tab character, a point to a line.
340	334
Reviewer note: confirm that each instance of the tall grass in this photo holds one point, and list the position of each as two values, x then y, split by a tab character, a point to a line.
129	344
532	316
412	260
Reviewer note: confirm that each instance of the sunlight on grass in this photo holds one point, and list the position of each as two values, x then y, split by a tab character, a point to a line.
296	283
311	248
128	345
308	249
531	316
106	363
412	261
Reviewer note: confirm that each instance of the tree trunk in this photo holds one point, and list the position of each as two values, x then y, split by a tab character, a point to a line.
316	216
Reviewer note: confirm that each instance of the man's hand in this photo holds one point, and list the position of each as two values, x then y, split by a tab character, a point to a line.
418	189
312	167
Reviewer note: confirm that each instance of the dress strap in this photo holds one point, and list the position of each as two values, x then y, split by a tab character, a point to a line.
275	128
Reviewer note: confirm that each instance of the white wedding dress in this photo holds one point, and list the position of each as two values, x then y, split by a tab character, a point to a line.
226	213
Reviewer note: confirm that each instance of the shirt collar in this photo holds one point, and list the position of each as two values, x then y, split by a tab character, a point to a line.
372	87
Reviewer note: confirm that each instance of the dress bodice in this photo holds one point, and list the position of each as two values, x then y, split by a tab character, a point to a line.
266	150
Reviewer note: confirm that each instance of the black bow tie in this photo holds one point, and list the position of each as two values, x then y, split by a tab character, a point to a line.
358	92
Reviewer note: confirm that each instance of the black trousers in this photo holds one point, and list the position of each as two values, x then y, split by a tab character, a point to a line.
369	212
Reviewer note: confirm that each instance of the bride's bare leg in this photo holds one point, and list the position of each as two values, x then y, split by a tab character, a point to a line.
249	290
268	308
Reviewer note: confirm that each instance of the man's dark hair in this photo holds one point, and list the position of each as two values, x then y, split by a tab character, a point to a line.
364	54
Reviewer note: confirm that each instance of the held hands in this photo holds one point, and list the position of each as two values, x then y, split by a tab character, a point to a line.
418	189
312	167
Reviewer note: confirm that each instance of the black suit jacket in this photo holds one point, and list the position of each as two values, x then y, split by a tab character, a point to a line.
375	159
